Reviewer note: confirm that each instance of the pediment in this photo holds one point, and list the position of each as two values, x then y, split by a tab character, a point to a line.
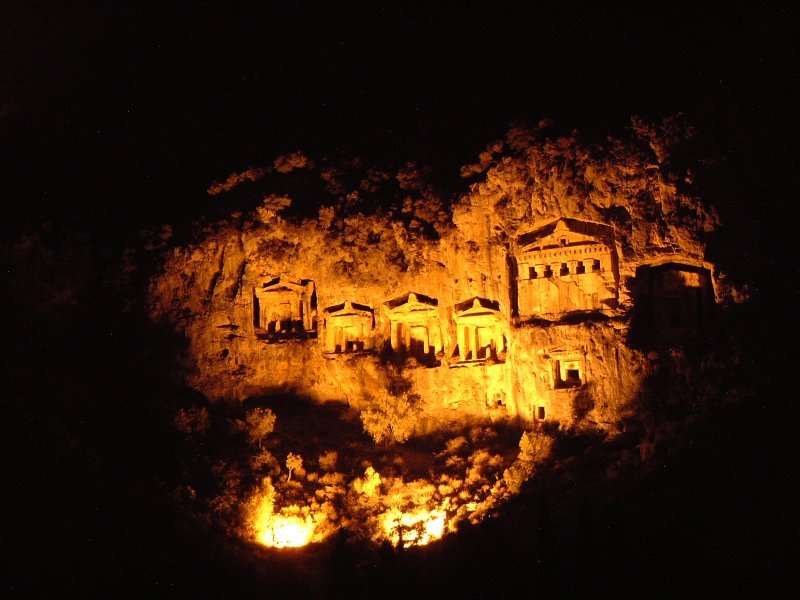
347	309
562	352
566	232
477	306
411	302
283	284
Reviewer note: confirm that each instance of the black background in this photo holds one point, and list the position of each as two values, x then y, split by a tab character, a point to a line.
130	112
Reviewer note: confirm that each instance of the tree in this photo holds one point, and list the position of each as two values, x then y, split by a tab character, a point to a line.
261	422
328	459
294	462
265	461
391	418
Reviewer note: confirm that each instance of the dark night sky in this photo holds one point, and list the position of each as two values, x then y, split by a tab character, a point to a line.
129	114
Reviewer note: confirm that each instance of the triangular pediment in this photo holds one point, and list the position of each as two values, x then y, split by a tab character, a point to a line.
476	306
411	302
566	232
283	284
348	308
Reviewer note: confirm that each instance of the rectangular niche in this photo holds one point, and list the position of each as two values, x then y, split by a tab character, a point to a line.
285	309
569	373
568	368
348	328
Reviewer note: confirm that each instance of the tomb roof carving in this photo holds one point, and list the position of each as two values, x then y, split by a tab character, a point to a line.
561	351
347	308
671	265
476	306
279	284
577	232
412	301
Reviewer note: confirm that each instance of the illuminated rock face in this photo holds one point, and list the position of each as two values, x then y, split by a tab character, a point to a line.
518	309
466	358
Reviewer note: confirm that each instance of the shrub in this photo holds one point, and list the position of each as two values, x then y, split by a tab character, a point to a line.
391	419
261	422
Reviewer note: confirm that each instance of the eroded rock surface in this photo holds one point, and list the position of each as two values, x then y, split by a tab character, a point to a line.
515	301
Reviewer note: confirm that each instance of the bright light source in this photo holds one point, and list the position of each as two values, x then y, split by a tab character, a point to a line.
286	532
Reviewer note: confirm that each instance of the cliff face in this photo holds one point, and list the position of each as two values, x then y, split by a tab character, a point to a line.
524	299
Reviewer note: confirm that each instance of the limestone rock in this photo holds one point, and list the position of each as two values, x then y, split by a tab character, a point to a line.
521	301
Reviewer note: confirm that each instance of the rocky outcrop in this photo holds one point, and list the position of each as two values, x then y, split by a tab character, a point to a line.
515	302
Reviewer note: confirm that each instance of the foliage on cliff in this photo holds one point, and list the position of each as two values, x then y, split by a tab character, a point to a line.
639	181
372	226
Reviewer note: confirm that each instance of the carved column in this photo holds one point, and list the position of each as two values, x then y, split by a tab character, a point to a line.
461	332
330	344
435	335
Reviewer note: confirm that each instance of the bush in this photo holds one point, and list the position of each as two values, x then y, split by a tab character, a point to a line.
391	419
534	447
261	422
294	463
327	460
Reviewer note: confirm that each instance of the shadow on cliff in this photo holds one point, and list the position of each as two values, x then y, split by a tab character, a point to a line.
668	310
309	428
582	403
